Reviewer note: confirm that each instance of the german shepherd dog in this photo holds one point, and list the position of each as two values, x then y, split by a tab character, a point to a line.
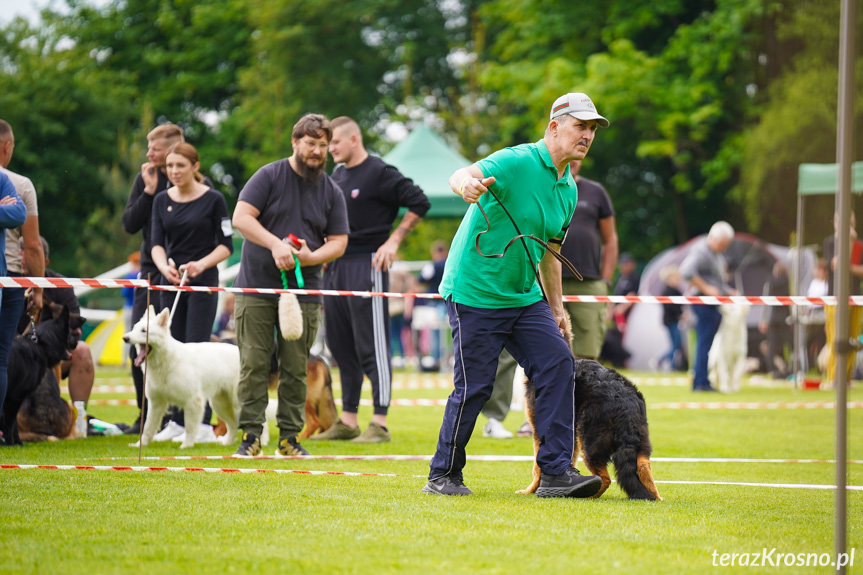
320	405
610	425
33	409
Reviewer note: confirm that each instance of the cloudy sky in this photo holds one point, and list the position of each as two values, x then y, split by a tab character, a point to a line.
29	9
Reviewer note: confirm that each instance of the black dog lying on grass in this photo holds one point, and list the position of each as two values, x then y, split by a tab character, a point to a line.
610	425
33	394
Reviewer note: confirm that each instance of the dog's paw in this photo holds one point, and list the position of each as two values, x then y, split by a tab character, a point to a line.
136	444
186	445
226	441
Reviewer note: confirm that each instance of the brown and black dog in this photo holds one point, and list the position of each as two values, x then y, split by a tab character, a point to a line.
610	425
320	405
34	410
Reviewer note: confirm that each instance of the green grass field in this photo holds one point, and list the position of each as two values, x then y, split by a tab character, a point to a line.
108	521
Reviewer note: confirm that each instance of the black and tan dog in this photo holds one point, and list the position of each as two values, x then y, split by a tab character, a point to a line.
610	425
34	410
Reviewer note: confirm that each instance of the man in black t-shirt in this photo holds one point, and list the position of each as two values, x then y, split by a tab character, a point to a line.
358	328
289	196
591	245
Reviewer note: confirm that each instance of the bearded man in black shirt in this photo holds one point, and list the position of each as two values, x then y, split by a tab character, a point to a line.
358	328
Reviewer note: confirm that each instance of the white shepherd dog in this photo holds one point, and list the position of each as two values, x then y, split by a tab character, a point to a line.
186	375
726	361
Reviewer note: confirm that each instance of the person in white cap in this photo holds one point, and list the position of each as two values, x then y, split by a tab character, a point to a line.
496	304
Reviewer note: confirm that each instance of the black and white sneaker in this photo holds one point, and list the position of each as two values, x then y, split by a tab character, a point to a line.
446	485
570	484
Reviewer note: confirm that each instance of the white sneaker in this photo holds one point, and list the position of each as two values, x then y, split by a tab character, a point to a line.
495	429
205	435
172	430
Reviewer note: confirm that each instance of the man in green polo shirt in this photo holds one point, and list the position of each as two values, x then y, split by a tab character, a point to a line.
496	303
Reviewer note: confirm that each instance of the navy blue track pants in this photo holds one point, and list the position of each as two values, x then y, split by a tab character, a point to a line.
531	335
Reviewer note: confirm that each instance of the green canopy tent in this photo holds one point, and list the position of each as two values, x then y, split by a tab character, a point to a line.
814	180
429	161
821	179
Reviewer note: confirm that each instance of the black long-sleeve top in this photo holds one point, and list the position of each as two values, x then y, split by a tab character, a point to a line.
374	191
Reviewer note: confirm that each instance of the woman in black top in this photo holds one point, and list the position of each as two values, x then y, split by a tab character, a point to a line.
191	227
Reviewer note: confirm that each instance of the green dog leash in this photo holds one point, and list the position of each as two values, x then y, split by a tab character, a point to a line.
298	274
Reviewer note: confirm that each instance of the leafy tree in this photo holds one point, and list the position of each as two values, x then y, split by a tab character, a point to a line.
797	122
359	59
672	77
64	114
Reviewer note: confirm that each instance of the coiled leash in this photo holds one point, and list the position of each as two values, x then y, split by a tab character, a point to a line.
522	237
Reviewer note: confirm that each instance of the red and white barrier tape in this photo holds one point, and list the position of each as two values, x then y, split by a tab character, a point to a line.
364	402
705	300
679	405
69	282
204	469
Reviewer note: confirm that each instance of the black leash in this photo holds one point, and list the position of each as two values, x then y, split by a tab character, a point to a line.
522	237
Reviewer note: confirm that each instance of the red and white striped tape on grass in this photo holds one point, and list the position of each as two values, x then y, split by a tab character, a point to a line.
705	300
505	458
755	405
356	474
204	469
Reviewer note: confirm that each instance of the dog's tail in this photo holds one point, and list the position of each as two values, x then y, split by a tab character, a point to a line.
634	474
632	456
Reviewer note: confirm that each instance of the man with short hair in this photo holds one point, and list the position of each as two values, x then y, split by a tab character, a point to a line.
706	270
289	196
151	180
13	298
497	303
358	328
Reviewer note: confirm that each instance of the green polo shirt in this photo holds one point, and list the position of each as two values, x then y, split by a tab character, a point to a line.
541	204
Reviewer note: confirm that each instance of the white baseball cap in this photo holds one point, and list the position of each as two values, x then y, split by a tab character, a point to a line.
577	105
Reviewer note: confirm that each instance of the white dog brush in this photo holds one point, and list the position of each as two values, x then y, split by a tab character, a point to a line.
290	314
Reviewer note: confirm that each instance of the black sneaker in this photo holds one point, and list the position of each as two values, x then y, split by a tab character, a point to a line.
250	447
290	446
570	484
446	485
134	429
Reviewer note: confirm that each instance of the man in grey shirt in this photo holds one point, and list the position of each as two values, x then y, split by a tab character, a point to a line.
289	196
705	269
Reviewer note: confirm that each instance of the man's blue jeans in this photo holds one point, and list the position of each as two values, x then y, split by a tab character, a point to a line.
706	325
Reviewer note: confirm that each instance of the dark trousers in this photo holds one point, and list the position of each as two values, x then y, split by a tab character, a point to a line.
11	308
779	335
531	335
358	330
706	325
